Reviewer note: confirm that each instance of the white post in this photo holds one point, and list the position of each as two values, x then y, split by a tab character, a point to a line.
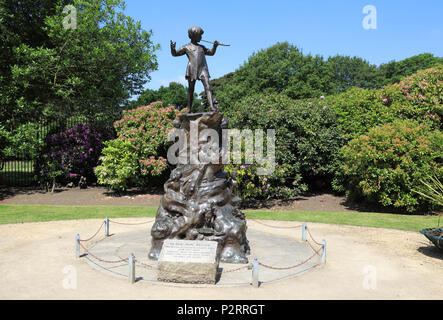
323	252
303	231
131	268
107	227
255	281
77	246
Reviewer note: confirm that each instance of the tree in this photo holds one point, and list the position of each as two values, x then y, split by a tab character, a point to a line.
393	71
281	68
92	69
21	22
350	72
173	95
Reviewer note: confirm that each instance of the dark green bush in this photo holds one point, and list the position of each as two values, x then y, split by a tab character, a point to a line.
307	134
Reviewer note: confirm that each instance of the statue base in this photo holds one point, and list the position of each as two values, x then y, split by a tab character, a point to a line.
199	201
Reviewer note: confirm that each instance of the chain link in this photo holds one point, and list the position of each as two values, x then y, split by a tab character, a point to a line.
276	227
316	252
86	240
320	244
292	267
187	273
100	259
131	224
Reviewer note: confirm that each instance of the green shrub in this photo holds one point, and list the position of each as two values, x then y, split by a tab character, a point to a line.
307	134
142	136
278	185
384	165
119	168
360	109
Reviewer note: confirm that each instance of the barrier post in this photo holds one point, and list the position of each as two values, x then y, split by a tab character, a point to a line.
255	265
107	227
303	231
77	246
132	268
323	252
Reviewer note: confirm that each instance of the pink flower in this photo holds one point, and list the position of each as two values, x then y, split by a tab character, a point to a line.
385	99
322	97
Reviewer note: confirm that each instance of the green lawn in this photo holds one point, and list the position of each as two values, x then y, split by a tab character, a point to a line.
32	213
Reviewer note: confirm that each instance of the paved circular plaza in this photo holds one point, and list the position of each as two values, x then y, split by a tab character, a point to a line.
280	257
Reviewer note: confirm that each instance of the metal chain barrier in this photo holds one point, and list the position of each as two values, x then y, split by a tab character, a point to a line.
132	261
309	232
86	240
313	249
100	259
188	273
276	227
292	267
131	224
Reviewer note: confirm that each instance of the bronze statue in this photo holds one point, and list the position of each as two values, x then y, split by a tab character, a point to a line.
197	68
200	202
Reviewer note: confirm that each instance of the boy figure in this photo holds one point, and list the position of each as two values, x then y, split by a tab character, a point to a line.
197	68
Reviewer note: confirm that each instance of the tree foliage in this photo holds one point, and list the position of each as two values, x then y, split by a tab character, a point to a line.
175	94
51	71
394	71
284	68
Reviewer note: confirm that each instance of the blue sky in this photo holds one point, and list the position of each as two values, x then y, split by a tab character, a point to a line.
325	27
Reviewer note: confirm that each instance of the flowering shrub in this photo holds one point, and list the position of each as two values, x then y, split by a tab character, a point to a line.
419	97
384	165
71	154
142	134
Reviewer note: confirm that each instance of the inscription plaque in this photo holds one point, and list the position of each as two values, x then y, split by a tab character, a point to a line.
188	261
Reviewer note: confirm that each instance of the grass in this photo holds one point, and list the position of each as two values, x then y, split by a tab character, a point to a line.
34	213
366	219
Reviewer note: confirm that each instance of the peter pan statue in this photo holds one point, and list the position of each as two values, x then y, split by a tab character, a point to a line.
197	68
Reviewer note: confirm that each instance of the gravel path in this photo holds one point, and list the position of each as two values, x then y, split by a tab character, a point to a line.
362	263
